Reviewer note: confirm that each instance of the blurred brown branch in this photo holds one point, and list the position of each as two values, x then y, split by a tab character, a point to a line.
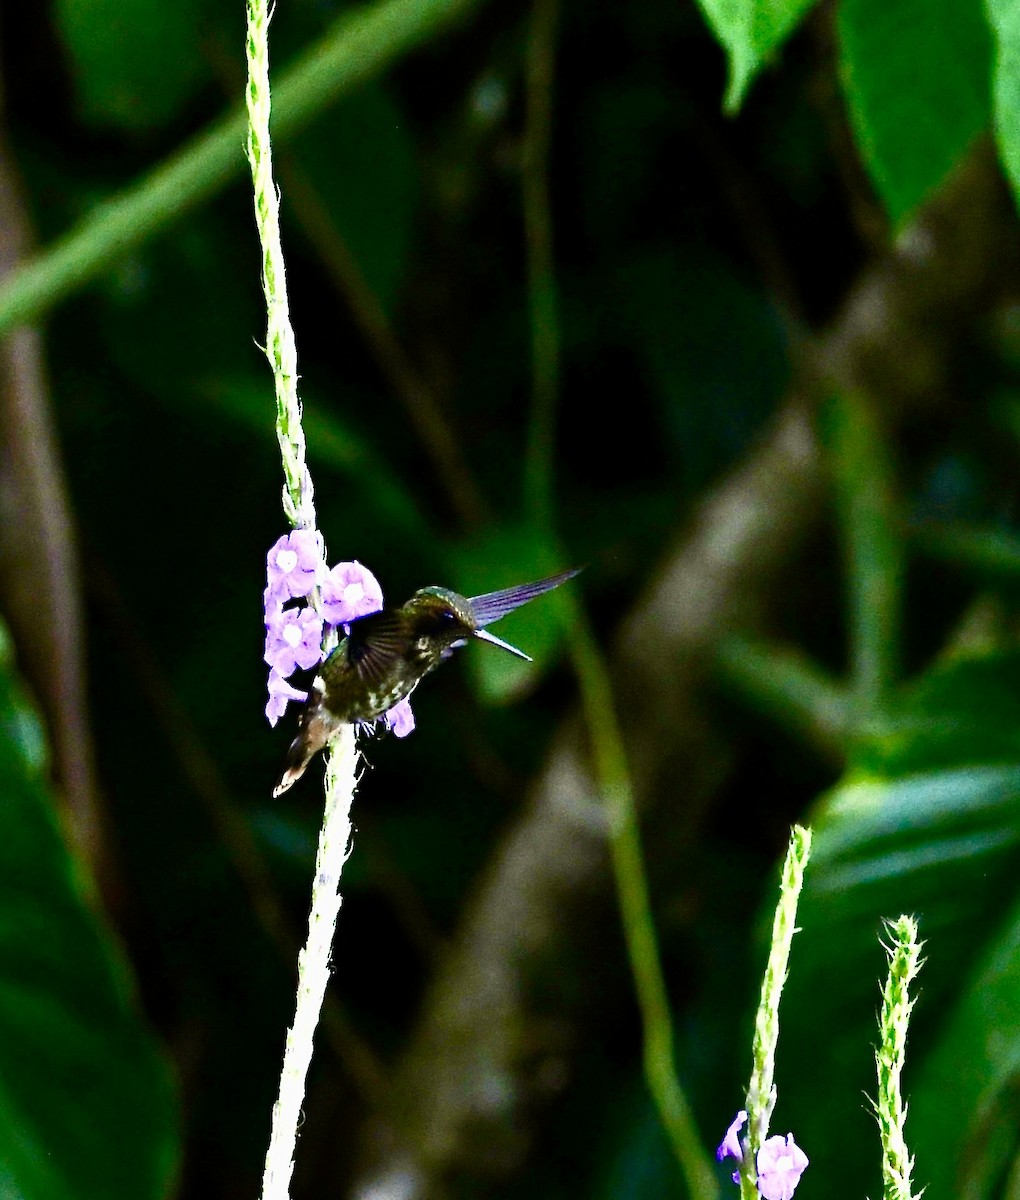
40	585
494	1041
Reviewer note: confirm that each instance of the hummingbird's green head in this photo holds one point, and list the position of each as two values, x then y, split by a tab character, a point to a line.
448	620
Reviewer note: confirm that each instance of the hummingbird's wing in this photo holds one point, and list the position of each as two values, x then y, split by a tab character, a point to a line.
375	643
493	605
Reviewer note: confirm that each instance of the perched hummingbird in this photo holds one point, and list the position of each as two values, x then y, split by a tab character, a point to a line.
386	655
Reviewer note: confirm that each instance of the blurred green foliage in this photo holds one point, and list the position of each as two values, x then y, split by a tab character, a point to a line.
696	256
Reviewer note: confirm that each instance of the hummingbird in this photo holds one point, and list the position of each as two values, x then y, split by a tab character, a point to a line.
386	654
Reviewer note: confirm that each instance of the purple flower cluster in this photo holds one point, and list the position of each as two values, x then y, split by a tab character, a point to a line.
295	567
780	1161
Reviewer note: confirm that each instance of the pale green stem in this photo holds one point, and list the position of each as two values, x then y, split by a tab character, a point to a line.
761	1091
342	755
904	963
614	783
313	962
280	347
610	760
872	545
360	45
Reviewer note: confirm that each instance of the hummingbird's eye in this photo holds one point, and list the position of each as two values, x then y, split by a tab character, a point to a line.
447	619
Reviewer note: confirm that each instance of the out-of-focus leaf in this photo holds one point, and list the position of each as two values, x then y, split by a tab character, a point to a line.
136	62
86	1107
963	1103
943	719
992	552
916	80
359	159
505	556
927	823
751	31
1005	20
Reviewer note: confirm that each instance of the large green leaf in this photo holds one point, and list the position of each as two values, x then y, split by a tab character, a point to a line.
136	62
751	31
86	1106
916	79
927	822
963	1104
1005	20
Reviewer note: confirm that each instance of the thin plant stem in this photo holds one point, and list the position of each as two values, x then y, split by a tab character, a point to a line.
280	346
761	1090
614	783
610	759
904	962
342	756
360	45
873	546
313	962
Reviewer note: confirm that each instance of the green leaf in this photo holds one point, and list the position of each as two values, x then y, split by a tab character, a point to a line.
916	79
1005	20
86	1106
963	1105
926	823
751	31
136	62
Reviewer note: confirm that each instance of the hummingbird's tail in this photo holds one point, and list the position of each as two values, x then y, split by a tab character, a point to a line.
313	733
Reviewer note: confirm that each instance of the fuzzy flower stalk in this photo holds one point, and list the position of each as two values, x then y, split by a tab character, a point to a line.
296	621
904	953
770	1166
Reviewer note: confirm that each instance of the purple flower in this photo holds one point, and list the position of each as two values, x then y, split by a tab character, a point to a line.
781	1163
400	718
293	639
349	591
729	1147
295	564
280	692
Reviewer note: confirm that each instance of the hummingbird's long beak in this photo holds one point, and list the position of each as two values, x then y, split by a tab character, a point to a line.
484	636
493	605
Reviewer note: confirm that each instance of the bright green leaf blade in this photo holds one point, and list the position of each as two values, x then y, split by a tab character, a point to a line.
136	62
751	31
963	1105
86	1106
916	79
1005	20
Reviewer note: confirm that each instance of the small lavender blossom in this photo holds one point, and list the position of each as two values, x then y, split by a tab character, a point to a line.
280	692
295	564
400	718
730	1147
781	1163
349	591
293	639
